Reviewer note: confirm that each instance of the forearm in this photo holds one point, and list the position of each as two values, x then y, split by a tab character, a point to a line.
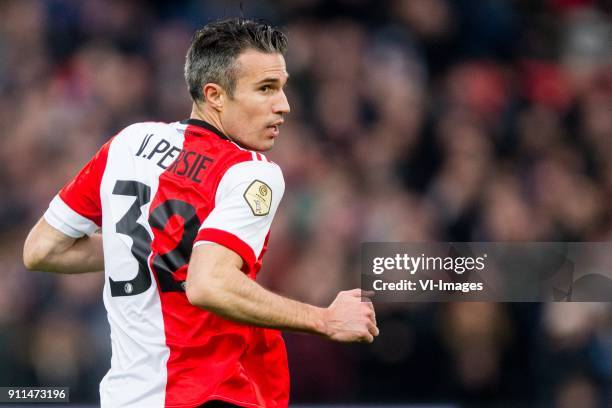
46	249
244	300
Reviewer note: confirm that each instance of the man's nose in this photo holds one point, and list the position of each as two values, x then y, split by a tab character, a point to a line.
281	105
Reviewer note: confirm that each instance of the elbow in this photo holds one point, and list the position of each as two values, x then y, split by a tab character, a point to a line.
33	260
204	295
44	248
197	296
35	254
192	293
30	264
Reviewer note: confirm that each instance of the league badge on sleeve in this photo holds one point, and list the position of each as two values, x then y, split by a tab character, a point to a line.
259	197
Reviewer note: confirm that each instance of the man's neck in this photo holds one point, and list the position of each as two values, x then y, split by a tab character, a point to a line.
197	112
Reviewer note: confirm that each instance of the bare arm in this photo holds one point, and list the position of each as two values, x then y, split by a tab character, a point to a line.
47	249
216	283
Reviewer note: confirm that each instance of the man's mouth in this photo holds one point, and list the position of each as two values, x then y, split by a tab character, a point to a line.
274	127
277	123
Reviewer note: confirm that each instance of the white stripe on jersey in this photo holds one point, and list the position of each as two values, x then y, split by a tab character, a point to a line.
63	218
138	373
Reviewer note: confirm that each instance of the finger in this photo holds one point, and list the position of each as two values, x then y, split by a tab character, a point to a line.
367	301
367	294
372	329
367	338
372	318
354	292
370	313
366	297
357	292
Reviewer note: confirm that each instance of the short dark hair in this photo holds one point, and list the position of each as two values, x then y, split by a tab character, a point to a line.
215	47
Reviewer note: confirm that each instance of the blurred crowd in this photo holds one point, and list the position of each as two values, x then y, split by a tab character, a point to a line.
413	120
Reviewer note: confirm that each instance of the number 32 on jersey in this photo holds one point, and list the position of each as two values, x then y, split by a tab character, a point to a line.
163	265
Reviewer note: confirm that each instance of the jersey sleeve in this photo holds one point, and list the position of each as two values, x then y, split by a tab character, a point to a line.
76	210
247	198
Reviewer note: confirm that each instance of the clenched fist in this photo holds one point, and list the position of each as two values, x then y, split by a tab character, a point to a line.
351	319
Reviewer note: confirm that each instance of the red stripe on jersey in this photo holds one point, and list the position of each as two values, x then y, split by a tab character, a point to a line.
82	194
230	241
210	357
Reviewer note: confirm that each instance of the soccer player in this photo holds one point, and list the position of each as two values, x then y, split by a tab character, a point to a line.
185	210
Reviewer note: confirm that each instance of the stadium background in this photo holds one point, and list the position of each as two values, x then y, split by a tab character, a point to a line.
429	120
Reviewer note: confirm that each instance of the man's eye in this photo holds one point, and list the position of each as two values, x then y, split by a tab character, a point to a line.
265	88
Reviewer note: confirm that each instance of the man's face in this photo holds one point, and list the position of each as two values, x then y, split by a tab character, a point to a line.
253	115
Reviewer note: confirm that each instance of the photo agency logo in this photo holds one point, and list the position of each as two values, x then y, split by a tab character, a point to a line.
412	264
488	271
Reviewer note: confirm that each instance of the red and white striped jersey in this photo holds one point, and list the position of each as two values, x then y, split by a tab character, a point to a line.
157	190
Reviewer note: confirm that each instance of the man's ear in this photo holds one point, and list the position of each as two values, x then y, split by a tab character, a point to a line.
214	96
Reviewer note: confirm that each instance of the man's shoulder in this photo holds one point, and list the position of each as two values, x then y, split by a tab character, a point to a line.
255	167
231	155
255	161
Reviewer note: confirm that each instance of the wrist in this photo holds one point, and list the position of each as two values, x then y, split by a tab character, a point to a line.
319	321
